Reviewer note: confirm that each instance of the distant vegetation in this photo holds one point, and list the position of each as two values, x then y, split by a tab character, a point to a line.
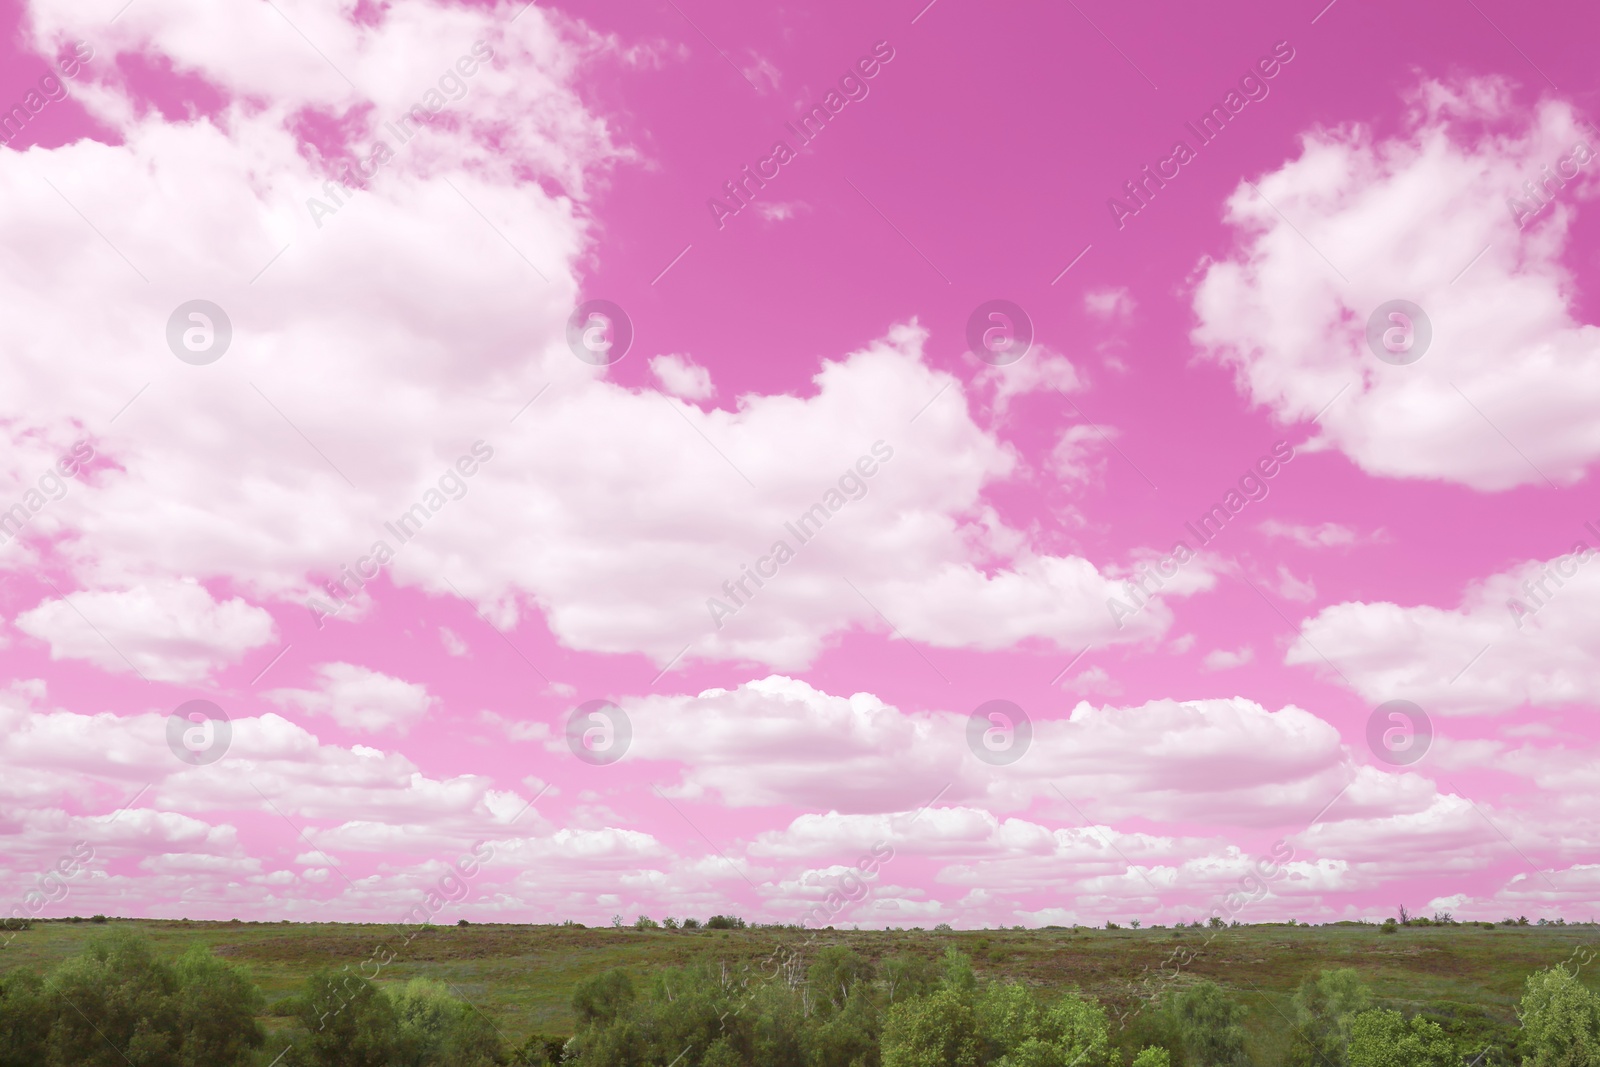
734	995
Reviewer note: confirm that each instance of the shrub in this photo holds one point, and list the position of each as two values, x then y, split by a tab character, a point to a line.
1209	1026
691	924
1383	1038
943	928
644	922
1389	926
1561	1020
724	922
102	918
199	1010
462	922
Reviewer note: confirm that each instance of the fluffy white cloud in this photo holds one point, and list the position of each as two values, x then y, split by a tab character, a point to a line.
258	468
359	698
1422	217
779	741
167	631
1221	659
681	376
1524	636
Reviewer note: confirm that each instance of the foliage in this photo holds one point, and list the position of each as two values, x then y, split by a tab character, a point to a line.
1209	1027
1322	1011
116	1003
1560	1020
1381	1037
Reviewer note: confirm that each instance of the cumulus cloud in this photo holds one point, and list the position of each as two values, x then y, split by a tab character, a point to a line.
167	631
781	741
1521	637
1403	217
359	698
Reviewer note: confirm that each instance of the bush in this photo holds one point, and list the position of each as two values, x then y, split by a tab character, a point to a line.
97	918
462	922
691	924
724	922
1323	1010
644	922
1208	1023
1389	926
116	1002
540	1050
1383	1038
1561	1020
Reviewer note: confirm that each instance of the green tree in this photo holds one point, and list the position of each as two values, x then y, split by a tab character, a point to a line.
24	1020
835	974
348	1022
1015	1030
1380	1037
935	1030
1208	1022
113	1004
1153	1056
906	975
1560	1020
217	1009
438	1029
1322	1010
601	999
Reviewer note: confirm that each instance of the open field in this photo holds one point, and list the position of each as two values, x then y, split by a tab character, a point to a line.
522	976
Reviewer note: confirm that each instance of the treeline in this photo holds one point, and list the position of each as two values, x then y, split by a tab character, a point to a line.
117	1005
843	1011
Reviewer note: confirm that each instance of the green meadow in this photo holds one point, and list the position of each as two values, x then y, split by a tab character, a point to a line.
1468	977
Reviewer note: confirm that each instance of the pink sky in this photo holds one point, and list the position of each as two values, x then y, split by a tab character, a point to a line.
586	522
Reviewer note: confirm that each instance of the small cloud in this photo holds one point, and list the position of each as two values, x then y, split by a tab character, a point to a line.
1324	535
762	70
452	644
1072	458
359	698
1035	373
1094	680
1109	303
1292	588
782	211
517	729
681	376
1221	659
1180	645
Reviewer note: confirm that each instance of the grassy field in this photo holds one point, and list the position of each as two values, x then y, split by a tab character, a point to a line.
522	976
